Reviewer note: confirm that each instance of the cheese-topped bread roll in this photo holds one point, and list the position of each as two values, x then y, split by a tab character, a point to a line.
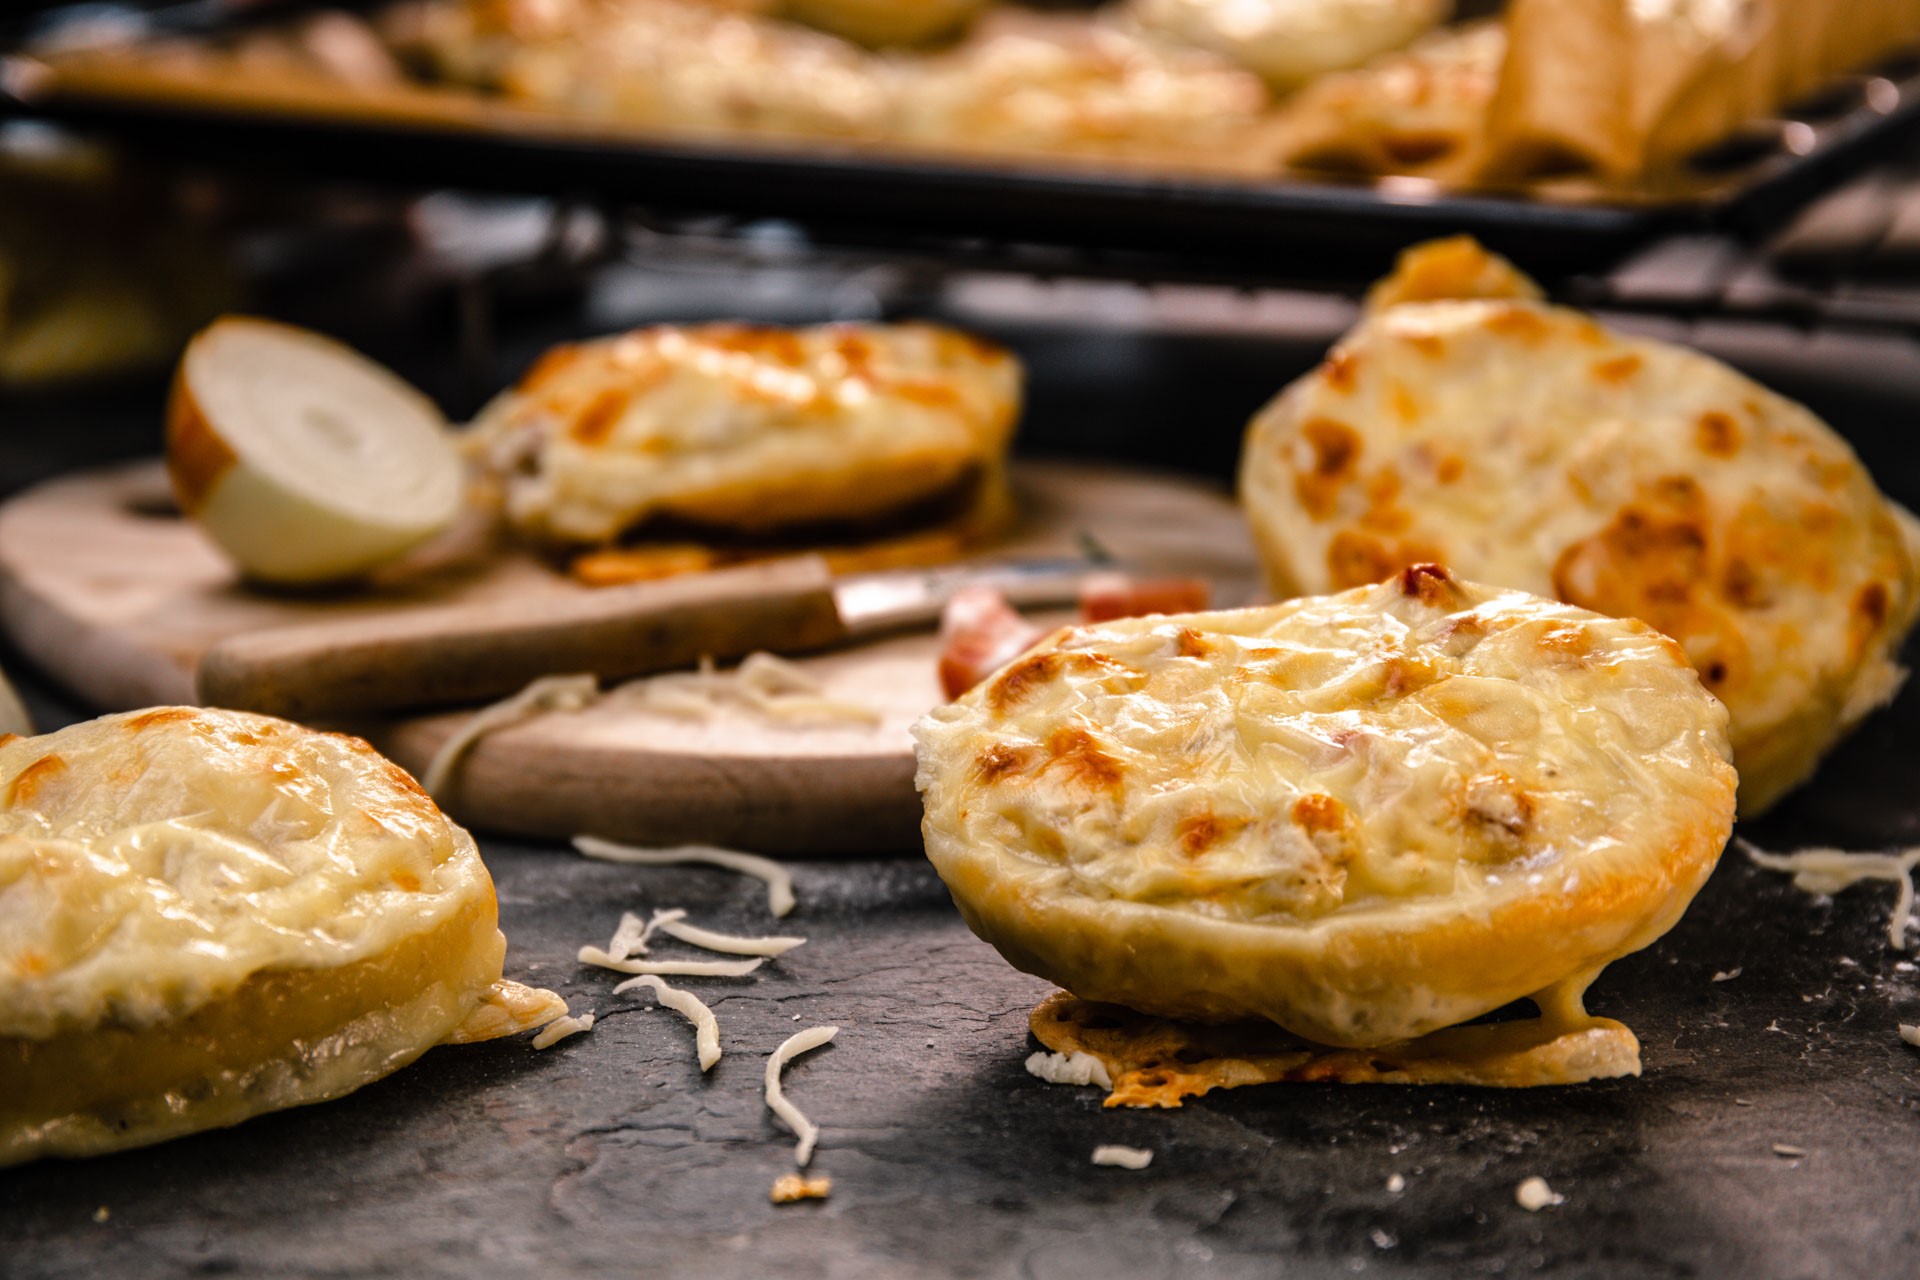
206	915
1363	817
1289	42
747	429
1421	111
1049	83
1525	444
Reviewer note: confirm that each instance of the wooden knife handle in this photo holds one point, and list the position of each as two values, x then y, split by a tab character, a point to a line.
451	654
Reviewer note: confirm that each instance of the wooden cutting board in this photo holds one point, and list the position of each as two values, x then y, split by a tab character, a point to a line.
107	588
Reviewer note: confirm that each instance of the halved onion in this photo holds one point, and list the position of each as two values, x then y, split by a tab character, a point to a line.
303	459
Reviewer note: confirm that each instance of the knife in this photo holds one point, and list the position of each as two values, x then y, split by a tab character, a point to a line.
448	655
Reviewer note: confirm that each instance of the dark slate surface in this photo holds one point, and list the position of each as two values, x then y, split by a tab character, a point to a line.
610	1152
611	1155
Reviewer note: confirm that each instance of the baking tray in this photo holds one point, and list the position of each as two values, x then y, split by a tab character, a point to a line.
1172	225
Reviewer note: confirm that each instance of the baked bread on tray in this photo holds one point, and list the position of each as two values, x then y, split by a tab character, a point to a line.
1527	445
654	449
1362	817
1291	42
207	915
1421	111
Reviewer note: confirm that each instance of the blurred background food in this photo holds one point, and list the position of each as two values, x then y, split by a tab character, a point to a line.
1604	89
1163	220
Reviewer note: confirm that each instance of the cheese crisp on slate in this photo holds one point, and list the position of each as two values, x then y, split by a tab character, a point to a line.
1363	817
1524	444
730	429
883	22
206	915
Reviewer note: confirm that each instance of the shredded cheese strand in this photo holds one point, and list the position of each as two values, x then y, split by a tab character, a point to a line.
672	968
548	693
560	1028
1831	870
706	1028
792	1047
727	943
763	683
1123	1157
632	937
779	880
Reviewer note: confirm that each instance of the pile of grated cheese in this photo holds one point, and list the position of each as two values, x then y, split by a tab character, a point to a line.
763	684
632	941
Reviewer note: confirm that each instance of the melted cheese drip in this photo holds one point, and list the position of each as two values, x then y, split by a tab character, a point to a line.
1290	42
561	1028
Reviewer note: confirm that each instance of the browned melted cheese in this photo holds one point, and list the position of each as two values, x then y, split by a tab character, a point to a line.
1525	445
1362	817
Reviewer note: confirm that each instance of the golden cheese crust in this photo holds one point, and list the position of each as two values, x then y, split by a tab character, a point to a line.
698	66
746	429
1421	111
205	915
1526	445
1362	817
1043	84
1290	42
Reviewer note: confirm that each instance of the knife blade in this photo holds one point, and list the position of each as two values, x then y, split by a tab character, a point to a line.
381	662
